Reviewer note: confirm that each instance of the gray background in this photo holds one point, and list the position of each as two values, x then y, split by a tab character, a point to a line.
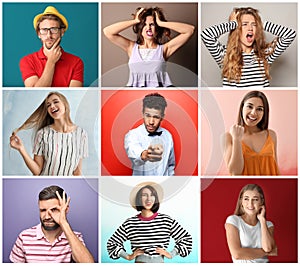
283	70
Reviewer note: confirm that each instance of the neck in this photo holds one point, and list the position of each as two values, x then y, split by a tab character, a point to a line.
52	235
146	213
252	130
252	220
61	125
148	44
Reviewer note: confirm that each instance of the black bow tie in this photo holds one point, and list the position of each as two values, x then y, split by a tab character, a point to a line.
156	133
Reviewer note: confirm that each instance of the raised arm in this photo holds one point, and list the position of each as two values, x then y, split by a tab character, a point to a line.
210	37
185	32
233	153
36	164
79	251
285	37
113	31
267	233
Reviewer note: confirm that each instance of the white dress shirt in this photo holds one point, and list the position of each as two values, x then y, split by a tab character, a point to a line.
137	140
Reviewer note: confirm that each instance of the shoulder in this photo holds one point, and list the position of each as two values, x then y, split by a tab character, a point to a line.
233	219
270	224
135	130
72	57
81	130
29	232
272	134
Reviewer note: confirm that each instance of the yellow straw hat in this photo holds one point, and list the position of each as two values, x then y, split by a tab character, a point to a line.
135	190
50	10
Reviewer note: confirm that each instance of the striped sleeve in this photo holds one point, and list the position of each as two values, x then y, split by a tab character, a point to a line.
17	254
183	240
39	145
210	37
115	245
285	38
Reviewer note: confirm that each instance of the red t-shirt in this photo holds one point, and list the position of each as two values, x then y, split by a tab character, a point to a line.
68	67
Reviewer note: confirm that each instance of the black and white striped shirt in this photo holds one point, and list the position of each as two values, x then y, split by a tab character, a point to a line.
147	235
253	72
61	151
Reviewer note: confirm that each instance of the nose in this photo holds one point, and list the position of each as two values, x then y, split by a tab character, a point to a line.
253	111
151	121
47	215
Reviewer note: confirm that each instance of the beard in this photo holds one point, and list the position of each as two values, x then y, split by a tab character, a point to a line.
49	228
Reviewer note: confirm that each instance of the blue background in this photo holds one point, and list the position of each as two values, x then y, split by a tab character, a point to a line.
20	38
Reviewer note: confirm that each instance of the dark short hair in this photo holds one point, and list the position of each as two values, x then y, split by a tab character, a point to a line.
155	101
138	199
160	31
264	123
50	193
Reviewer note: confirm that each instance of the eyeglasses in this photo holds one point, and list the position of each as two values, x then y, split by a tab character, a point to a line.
53	30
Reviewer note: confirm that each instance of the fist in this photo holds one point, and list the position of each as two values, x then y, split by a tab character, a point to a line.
237	132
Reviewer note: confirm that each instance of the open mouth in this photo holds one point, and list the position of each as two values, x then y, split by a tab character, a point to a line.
54	111
252	119
149	33
249	37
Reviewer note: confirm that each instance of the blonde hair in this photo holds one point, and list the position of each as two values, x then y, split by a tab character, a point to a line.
233	60
239	209
41	118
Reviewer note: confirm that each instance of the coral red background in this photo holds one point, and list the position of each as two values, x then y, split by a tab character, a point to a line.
122	110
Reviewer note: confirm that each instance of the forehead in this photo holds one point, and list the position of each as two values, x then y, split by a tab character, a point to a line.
256	101
146	190
149	19
251	193
48	204
53	97
247	17
152	111
48	23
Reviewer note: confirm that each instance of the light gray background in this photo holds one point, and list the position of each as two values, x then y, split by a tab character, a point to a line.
283	70
182	66
18	105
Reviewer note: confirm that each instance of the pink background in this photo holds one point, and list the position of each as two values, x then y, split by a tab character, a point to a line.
122	110
216	120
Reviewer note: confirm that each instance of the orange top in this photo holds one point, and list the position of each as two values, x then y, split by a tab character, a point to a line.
260	163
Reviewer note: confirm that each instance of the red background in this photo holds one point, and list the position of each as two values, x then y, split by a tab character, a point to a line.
218	201
122	110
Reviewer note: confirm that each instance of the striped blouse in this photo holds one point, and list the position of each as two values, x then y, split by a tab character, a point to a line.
148	234
253	72
61	151
32	246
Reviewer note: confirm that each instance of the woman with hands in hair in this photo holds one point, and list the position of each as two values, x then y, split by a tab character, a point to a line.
152	48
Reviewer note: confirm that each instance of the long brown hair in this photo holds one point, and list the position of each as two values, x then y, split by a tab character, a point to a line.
161	33
233	60
41	118
238	209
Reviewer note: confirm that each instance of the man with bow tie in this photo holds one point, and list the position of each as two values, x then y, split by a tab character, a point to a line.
149	146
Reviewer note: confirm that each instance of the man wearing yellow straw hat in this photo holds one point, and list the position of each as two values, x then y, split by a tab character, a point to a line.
51	66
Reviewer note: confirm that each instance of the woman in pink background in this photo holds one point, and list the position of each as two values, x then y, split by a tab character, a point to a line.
250	147
219	111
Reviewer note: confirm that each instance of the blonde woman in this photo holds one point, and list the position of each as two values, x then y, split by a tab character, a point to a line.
59	144
245	60
250	236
